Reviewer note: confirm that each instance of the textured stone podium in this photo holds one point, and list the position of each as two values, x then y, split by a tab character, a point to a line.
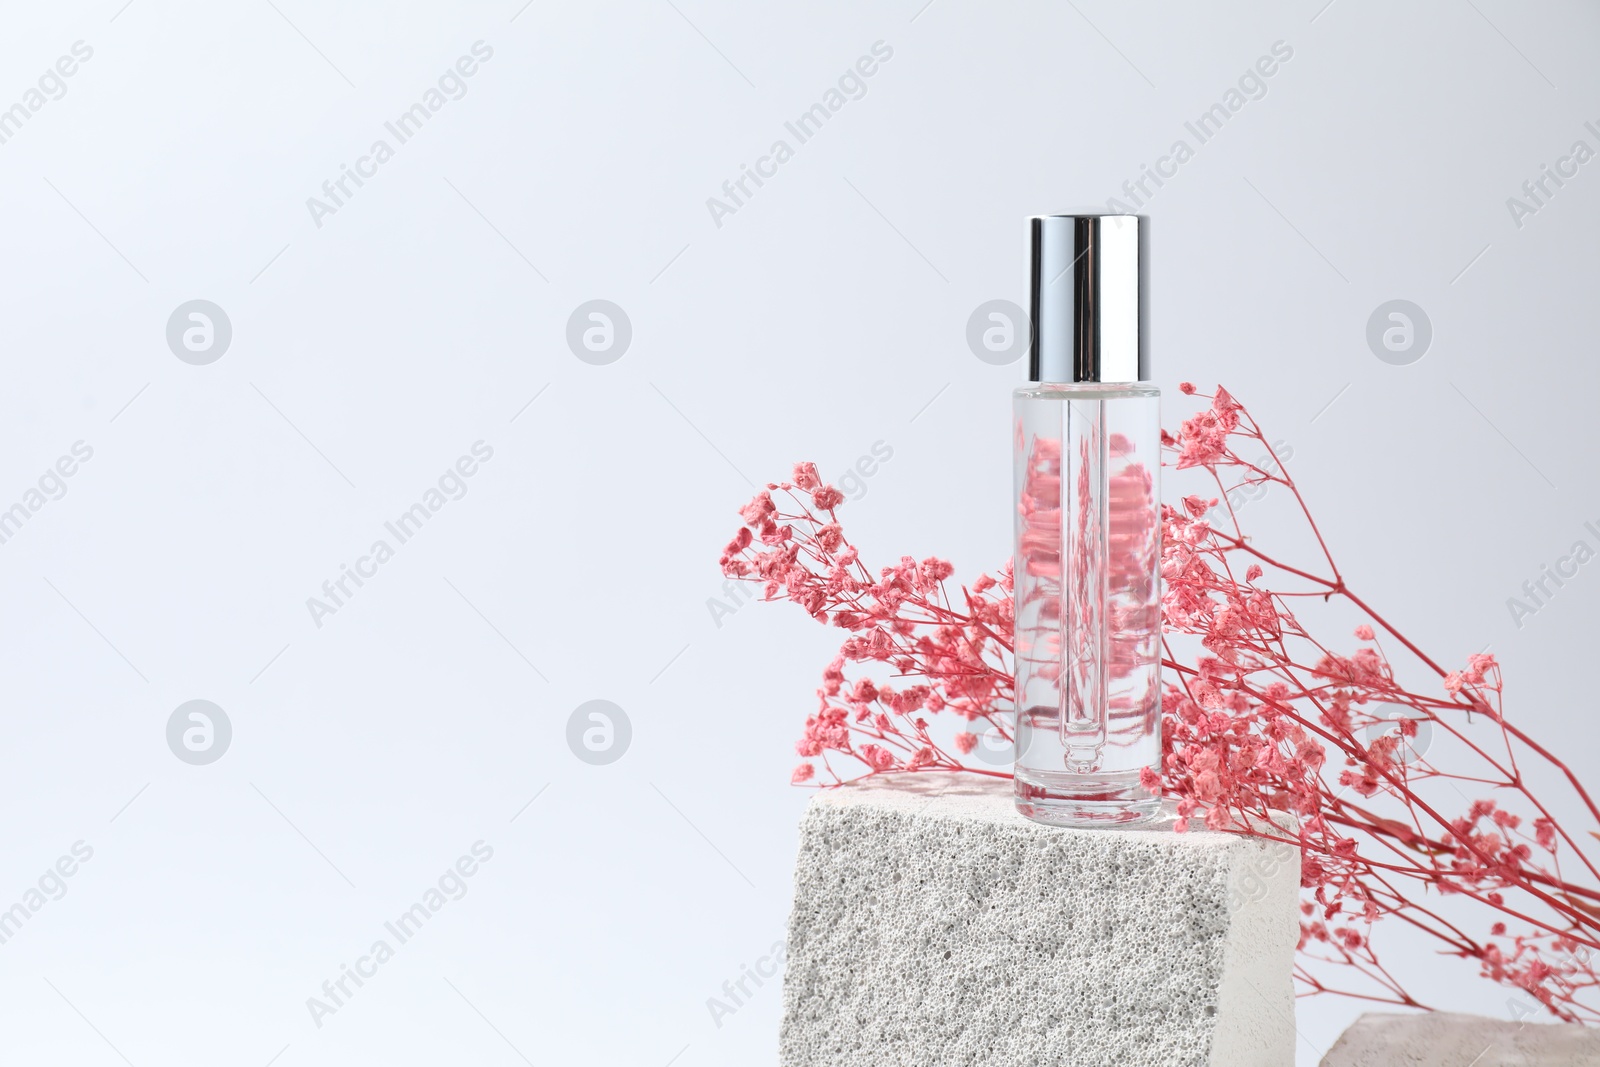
934	925
1446	1040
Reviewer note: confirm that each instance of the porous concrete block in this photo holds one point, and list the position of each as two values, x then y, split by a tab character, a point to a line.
1440	1039
934	925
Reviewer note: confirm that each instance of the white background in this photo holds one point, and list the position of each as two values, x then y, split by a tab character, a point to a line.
827	314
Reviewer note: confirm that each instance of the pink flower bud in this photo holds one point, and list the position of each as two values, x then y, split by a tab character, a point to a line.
827	498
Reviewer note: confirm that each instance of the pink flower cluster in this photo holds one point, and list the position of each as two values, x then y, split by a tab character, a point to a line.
1260	718
903	619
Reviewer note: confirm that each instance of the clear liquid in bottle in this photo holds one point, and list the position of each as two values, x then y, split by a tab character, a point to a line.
1088	613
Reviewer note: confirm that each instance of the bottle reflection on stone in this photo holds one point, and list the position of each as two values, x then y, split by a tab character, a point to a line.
1087	442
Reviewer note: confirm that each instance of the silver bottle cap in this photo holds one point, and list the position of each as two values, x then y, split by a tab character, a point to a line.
1090	279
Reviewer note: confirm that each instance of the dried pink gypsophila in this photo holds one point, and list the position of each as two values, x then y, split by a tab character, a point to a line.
1264	719
903	618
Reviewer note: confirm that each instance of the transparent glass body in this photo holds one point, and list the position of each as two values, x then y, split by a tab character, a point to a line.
1088	612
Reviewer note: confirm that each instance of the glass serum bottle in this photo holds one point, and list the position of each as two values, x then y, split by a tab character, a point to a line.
1087	441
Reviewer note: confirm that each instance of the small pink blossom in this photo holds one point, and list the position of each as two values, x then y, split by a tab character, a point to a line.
758	510
877	757
827	498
